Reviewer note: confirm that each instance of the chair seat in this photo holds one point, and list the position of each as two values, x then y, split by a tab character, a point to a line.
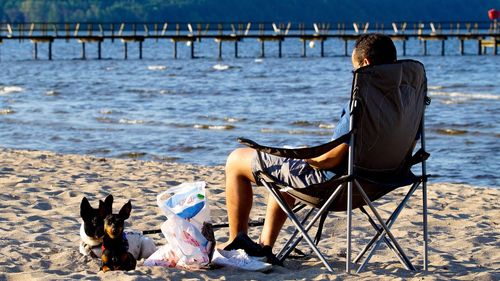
316	196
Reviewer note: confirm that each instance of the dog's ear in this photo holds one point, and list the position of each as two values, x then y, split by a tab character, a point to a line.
102	209
108	205
86	211
125	210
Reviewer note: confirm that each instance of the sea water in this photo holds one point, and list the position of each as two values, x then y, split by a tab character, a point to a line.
192	110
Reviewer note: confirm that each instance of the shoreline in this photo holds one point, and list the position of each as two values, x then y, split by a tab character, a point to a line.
42	190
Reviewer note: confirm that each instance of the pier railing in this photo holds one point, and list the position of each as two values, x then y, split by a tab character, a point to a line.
486	33
160	29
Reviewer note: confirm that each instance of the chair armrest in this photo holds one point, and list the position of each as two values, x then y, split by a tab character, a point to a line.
297	153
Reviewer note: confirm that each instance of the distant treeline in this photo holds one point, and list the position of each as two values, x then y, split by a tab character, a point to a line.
244	10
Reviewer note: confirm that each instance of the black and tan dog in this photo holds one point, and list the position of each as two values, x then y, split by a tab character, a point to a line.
92	232
92	228
115	254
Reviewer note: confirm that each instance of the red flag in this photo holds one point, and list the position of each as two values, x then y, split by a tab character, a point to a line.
493	14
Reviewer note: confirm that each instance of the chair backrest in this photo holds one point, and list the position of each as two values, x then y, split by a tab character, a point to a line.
390	102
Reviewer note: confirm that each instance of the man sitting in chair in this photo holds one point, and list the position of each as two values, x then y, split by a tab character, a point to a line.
242	163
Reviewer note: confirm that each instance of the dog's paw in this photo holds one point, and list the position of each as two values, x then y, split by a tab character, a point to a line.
105	268
85	249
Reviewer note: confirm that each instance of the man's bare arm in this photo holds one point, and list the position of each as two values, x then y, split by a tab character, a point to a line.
331	159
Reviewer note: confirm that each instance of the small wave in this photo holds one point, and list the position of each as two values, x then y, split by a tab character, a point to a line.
465	96
55	138
258	60
435	87
166	92
326	126
304	124
185	148
179	125
294	132
10	89
131	121
303	132
164	158
221	67
214	127
132	155
5	111
106	111
52	93
105	120
312	124
157	67
451	132
143	91
233	119
226	119
98	151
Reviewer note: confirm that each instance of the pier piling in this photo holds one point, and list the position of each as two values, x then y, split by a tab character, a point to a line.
279	48
35	51
175	49
192	49
140	50
99	50
84	56
304	47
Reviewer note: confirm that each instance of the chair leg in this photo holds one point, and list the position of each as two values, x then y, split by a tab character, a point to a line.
323	208
394	216
374	238
348	261
281	202
384	226
288	247
390	221
426	242
424	191
378	241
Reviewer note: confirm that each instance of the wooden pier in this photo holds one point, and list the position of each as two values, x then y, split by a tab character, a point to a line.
486	34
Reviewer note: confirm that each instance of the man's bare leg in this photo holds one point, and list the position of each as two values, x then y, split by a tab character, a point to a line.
275	218
239	194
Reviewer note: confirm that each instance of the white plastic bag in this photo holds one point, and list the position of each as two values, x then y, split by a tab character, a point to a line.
187	201
186	209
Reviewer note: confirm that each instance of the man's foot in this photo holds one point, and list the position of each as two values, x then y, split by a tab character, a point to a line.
271	258
242	241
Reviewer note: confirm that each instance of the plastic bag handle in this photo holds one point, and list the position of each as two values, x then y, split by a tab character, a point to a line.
178	188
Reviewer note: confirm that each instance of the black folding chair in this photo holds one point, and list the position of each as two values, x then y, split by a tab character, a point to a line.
386	120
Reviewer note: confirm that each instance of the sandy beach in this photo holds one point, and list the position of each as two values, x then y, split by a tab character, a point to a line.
39	231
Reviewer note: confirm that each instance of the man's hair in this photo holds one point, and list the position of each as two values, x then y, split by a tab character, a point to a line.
377	48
